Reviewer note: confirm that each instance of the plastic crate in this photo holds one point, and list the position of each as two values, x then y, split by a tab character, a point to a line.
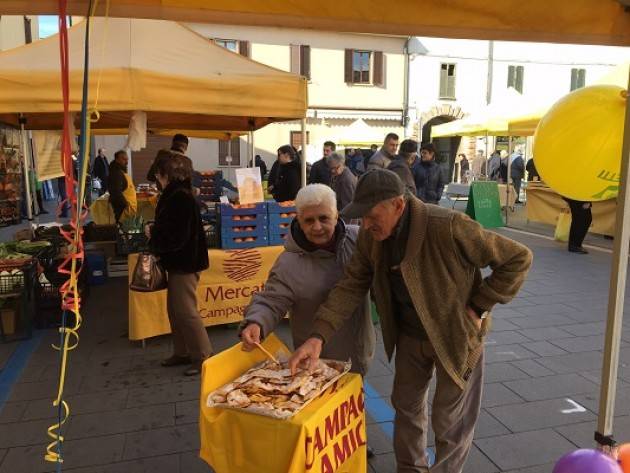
252	209
93	232
212	235
277	239
246	229
232	244
274	207
12	283
251	220
277	219
127	243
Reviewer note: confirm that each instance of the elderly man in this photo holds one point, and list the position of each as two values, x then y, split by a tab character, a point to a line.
423	264
316	251
343	181
382	158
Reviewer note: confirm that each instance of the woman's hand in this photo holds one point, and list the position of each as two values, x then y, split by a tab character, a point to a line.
147	230
250	336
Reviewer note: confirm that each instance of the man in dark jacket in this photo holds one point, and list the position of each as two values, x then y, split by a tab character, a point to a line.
101	170
517	173
320	174
532	172
178	145
260	164
343	181
122	192
404	162
382	158
428	176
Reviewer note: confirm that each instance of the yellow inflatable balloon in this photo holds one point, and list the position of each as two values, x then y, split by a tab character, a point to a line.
577	144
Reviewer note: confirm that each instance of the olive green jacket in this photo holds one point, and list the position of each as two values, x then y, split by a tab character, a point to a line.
441	269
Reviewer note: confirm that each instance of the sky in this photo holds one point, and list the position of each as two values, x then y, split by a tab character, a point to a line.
48	25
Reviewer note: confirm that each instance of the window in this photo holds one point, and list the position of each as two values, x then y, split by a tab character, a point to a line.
240	47
515	77
578	78
364	67
230	148
230	44
447	81
296	139
301	60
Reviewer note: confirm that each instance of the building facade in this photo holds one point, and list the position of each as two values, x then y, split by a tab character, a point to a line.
17	30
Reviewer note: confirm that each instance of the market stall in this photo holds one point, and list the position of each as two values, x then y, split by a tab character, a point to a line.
223	292
545	205
102	214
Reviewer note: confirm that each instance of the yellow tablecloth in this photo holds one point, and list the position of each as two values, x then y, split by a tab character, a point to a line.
102	214
544	205
224	291
327	436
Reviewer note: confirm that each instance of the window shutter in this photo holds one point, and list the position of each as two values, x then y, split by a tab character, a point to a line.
520	72
582	77
450	91
511	79
443	80
305	61
236	151
379	69
243	48
28	30
348	66
295	59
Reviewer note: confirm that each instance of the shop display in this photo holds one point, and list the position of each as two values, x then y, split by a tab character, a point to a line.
269	389
210	185
243	226
281	214
10	178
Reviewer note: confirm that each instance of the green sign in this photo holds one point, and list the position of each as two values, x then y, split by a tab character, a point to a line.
484	205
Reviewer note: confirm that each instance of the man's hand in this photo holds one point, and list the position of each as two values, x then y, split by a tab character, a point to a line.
308	352
250	336
147	231
474	317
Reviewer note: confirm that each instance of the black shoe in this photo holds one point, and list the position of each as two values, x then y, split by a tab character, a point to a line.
176	360
370	452
42	211
578	249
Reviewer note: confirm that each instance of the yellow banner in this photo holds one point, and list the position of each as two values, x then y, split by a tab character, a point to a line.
47	147
327	436
224	291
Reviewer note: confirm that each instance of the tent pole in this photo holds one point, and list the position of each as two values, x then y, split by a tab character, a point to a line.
616	295
27	177
303	160
252	149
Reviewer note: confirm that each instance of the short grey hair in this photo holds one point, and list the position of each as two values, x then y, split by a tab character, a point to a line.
315	194
336	158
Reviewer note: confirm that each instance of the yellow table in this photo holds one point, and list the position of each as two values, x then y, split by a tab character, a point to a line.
544	205
102	214
328	435
224	291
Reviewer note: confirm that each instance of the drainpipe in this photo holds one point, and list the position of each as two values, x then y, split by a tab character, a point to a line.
405	117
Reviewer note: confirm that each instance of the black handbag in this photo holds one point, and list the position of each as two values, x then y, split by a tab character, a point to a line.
148	275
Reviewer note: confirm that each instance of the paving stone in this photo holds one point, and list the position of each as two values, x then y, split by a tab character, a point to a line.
161	464
524	449
539	321
21	434
384	463
535	469
583	330
78	453
175	392
498	372
497	394
382	385
125	381
378	440
574	362
125	420
506	313
79	404
582	434
181	438
488	426
544	309
190	462
12	412
544	333
551	387
500	325
581	344
544	348
508	337
622	401
501	353
532	368
187	412
478	462
42	389
378	368
540	415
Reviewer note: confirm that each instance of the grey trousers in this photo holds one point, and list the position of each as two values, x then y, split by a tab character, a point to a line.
454	412
189	334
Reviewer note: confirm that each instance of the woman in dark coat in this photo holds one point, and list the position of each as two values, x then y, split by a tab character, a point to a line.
178	239
288	182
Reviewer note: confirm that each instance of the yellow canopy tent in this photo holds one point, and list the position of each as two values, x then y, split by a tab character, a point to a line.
578	21
180	79
358	134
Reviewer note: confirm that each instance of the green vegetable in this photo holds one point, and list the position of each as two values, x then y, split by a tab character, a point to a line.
132	225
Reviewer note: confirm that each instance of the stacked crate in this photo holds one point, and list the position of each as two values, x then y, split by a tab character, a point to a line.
243	226
210	185
281	215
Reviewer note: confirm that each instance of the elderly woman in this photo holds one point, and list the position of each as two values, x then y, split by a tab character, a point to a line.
343	181
316	251
178	239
